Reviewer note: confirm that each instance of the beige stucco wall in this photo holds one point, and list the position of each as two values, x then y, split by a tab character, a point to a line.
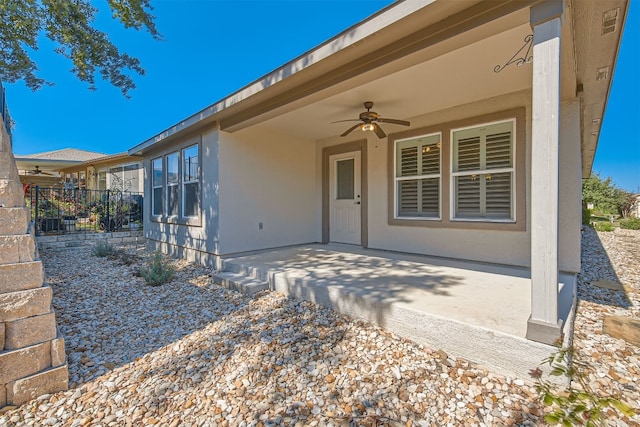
261	176
189	241
495	246
505	247
269	178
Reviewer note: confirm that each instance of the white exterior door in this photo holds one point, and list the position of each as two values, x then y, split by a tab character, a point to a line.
345	201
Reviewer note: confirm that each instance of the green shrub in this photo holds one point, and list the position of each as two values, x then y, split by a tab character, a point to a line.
103	249
586	216
125	258
603	226
578	405
630	223
157	271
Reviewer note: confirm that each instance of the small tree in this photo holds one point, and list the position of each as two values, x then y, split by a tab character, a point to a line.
625	201
606	197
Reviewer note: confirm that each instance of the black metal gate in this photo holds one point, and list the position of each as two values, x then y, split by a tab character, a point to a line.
59	210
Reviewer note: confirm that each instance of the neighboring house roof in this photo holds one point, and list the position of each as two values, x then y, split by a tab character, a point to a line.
109	159
55	160
65	154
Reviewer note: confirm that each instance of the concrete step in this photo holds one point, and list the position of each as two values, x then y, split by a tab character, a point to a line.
21	276
15	249
257	273
14	221
240	282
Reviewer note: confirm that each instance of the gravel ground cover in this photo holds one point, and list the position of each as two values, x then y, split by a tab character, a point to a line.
195	354
610	256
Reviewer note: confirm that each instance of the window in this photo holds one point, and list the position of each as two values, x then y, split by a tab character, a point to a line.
345	180
190	181
102	180
71	181
125	178
417	177
483	172
157	178
173	181
176	186
82	179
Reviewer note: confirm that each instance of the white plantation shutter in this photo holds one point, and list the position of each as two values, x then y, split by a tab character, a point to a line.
418	177
499	155
498	150
431	197
409	161
483	172
467	195
408	197
498	198
469	154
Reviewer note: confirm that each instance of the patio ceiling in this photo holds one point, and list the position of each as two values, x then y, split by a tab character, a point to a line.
461	76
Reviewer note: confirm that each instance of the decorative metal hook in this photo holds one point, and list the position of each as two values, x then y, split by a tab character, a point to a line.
516	58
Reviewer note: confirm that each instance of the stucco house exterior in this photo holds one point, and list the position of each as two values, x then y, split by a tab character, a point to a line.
81	169
119	171
505	100
634	212
44	169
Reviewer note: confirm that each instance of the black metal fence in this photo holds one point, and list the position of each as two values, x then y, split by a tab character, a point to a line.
59	210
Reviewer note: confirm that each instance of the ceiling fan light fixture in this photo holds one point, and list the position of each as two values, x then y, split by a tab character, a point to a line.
369	122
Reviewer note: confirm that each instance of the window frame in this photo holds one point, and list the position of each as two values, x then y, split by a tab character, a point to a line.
154	187
162	156
397	179
512	170
119	171
168	186
183	183
520	143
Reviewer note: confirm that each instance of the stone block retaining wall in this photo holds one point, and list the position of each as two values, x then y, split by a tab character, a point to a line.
75	240
32	355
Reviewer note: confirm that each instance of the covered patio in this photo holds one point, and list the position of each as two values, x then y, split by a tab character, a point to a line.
475	310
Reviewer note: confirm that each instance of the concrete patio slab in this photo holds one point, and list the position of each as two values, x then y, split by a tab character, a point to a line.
474	310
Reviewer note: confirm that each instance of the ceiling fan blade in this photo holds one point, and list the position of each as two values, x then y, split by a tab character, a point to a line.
349	120
378	130
394	121
46	173
351	129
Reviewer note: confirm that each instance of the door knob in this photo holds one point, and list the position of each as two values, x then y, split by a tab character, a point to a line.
356	203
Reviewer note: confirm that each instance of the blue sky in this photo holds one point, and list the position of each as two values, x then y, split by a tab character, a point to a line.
211	48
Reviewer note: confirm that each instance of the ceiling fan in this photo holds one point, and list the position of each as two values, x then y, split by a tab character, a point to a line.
369	121
38	171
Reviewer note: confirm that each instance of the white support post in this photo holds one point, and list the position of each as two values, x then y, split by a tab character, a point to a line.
546	20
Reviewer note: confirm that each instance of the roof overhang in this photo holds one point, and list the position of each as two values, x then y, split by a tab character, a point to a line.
395	32
112	159
597	43
44	164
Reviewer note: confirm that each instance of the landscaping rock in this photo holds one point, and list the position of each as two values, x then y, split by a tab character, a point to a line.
193	353
622	327
29	331
608	284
